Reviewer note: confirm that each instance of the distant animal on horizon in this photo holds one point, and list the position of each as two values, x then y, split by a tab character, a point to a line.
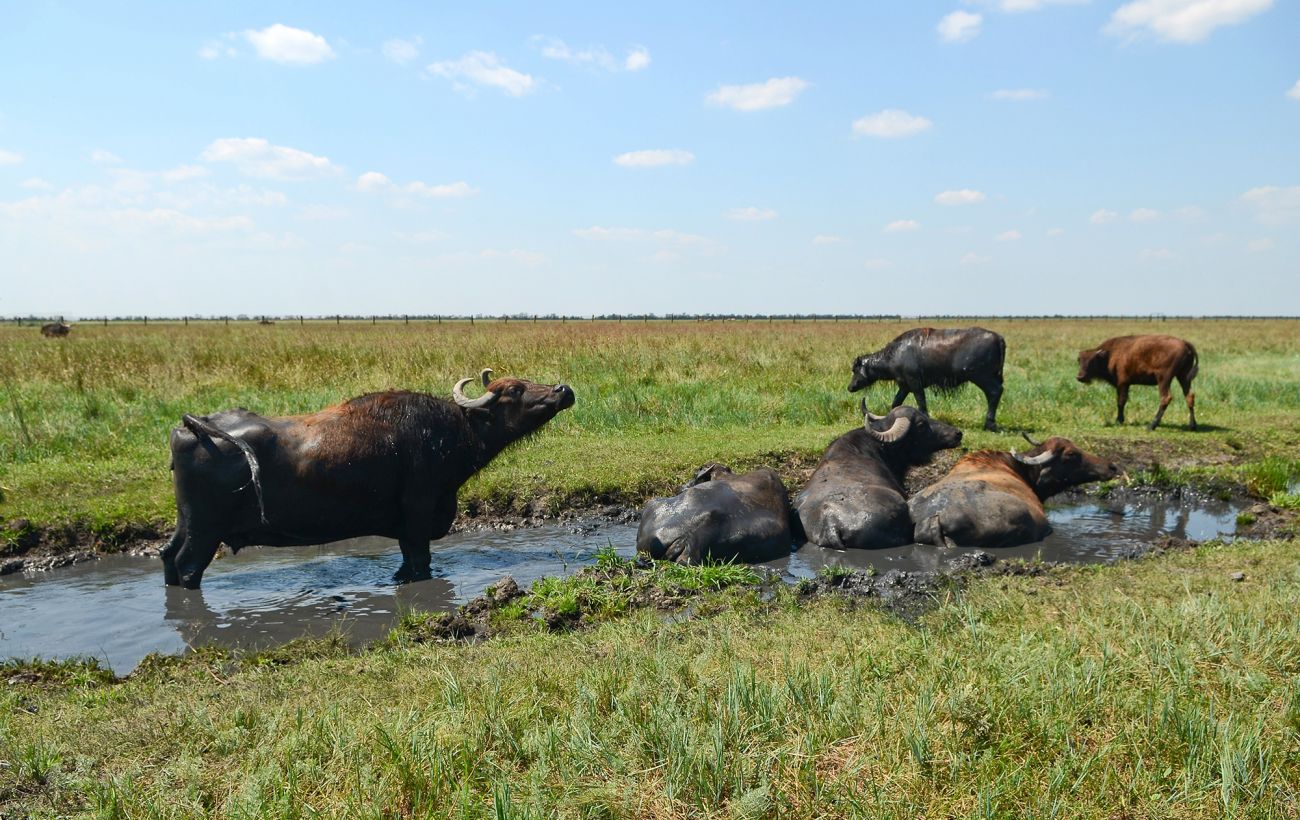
55	330
1155	359
855	497
387	464
719	516
943	359
993	499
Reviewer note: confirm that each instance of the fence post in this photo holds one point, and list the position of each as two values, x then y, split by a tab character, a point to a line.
185	320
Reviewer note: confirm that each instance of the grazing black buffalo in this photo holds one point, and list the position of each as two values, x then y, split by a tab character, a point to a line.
992	499
1158	360
942	359
55	330
385	464
720	516
855	496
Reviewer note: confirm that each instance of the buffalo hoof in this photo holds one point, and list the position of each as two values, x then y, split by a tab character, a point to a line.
406	575
171	577
1193	427
192	582
992	427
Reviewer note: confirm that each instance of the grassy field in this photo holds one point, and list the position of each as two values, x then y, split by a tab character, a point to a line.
84	420
1159	688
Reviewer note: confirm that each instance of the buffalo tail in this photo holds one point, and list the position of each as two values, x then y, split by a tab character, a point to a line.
200	427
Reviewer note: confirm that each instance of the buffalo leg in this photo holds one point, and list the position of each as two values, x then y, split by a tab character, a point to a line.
900	396
1186	384
171	577
1121	399
992	394
415	561
194	557
425	521
1165	397
920	400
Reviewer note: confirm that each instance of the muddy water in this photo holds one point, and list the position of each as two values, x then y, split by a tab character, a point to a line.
117	609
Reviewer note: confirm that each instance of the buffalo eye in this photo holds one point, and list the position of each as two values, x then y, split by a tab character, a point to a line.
517	390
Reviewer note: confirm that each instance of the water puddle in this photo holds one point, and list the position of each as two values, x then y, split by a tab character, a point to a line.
117	609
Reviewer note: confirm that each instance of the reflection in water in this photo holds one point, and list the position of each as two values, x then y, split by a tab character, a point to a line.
117	609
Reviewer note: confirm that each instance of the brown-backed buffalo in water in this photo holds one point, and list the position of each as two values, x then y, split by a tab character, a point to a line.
55	330
387	464
1158	360
942	359
855	496
720	516
992	499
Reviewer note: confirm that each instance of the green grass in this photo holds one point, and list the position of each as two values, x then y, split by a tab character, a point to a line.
84	420
1159	688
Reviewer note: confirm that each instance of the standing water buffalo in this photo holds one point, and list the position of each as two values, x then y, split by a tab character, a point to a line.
55	330
385	464
942	359
992	499
1158	360
855	496
721	516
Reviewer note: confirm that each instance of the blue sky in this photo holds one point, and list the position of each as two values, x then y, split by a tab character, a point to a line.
972	156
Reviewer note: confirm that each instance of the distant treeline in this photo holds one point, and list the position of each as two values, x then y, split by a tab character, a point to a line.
614	317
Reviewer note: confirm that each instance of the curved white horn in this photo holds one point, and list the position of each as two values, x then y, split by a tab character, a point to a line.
1034	461
896	430
458	394
867	414
486	376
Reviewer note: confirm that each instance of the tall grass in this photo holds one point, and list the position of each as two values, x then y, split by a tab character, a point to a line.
84	423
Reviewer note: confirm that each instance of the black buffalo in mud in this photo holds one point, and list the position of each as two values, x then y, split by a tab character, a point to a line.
719	516
855	496
942	359
55	330
993	499
387	464
1152	359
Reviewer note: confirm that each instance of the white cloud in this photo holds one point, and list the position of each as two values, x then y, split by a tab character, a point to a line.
598	56
323	213
877	263
774	93
1274	205
965	196
664	237
1144	215
484	68
422	237
901	225
402	51
1259	245
751	214
10	157
1181	21
101	157
183	173
1294	93
36	184
373	181
1190	213
290	46
1008	236
959	27
1016	6
1019	94
448	190
654	158
1156	255
1101	216
891	123
1056	232
256	157
637	59
973	258
827	239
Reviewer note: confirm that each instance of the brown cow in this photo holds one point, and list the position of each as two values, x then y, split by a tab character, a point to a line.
55	330
1158	360
992	499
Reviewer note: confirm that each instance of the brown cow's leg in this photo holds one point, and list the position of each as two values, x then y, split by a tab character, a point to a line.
194	557
171	577
1165	396
1121	399
900	396
920	400
426	519
1186	384
993	395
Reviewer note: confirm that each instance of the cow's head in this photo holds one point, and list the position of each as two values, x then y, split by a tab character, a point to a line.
1093	364
1062	465
513	407
908	435
865	373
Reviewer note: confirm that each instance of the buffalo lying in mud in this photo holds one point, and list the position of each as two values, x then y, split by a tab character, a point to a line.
993	499
387	464
1158	360
55	330
942	359
720	516
855	496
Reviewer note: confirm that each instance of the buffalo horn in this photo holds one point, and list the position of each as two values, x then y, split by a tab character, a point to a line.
1030	440
867	414
896	430
1034	461
458	393
486	376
